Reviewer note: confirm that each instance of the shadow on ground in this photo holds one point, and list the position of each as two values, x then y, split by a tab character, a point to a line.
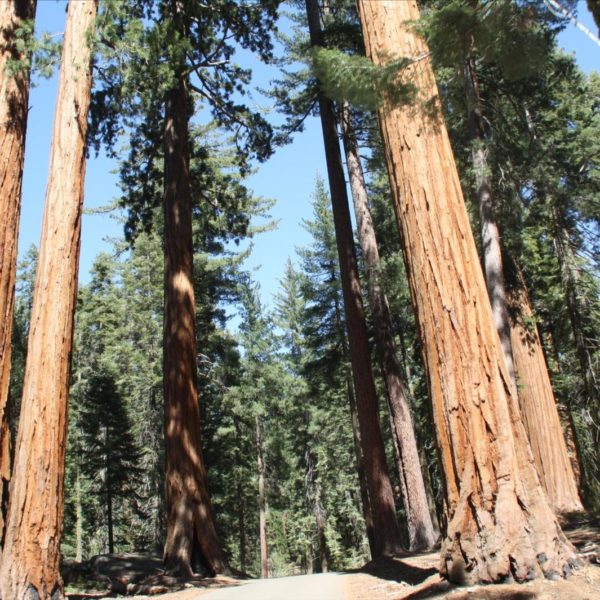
109	575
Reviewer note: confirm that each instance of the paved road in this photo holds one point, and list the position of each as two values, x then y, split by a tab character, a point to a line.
327	586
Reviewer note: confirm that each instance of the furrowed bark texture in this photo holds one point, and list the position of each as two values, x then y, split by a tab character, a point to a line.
500	524
386	532
14	97
420	528
191	530
538	406
528	369
30	561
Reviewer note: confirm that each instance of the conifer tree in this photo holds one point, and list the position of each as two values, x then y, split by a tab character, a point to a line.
194	47
30	566
111	458
15	22
532	384
487	464
386	532
420	526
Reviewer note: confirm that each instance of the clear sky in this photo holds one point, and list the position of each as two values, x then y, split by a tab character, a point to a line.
289	176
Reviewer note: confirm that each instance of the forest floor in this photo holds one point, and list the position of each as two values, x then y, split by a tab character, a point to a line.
406	578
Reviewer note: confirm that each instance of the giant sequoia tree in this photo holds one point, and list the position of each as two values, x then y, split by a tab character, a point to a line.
180	50
14	95
30	559
499	521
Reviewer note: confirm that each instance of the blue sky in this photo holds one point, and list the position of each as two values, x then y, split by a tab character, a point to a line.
288	177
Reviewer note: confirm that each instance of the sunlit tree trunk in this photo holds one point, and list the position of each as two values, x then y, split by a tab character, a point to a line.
420	527
14	96
499	522
538	405
30	560
191	529
521	348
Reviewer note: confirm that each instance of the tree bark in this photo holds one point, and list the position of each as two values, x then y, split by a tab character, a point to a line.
499	523
262	503
191	529
420	528
534	389
538	405
321	522
14	98
386	532
490	234
30	561
363	485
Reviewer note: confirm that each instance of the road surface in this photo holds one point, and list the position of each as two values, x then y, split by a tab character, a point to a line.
326	586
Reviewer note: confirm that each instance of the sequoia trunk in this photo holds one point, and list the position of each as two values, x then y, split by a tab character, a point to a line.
499	522
30	561
538	405
386	532
14	97
534	389
420	528
191	530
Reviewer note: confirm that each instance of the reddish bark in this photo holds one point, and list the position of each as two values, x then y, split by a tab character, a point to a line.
386	532
14	97
420	527
191	529
521	345
538	406
499	522
30	561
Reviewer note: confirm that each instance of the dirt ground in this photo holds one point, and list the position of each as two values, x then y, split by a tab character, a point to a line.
406	578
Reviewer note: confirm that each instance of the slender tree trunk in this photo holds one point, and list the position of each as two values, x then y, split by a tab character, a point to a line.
14	97
262	503
241	506
490	235
360	464
242	527
78	516
499	523
191	529
386	532
30	561
321	522
538	406
109	523
534	390
577	315
314	505
420	528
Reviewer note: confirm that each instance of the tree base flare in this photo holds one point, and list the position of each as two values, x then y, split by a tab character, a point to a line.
498	558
